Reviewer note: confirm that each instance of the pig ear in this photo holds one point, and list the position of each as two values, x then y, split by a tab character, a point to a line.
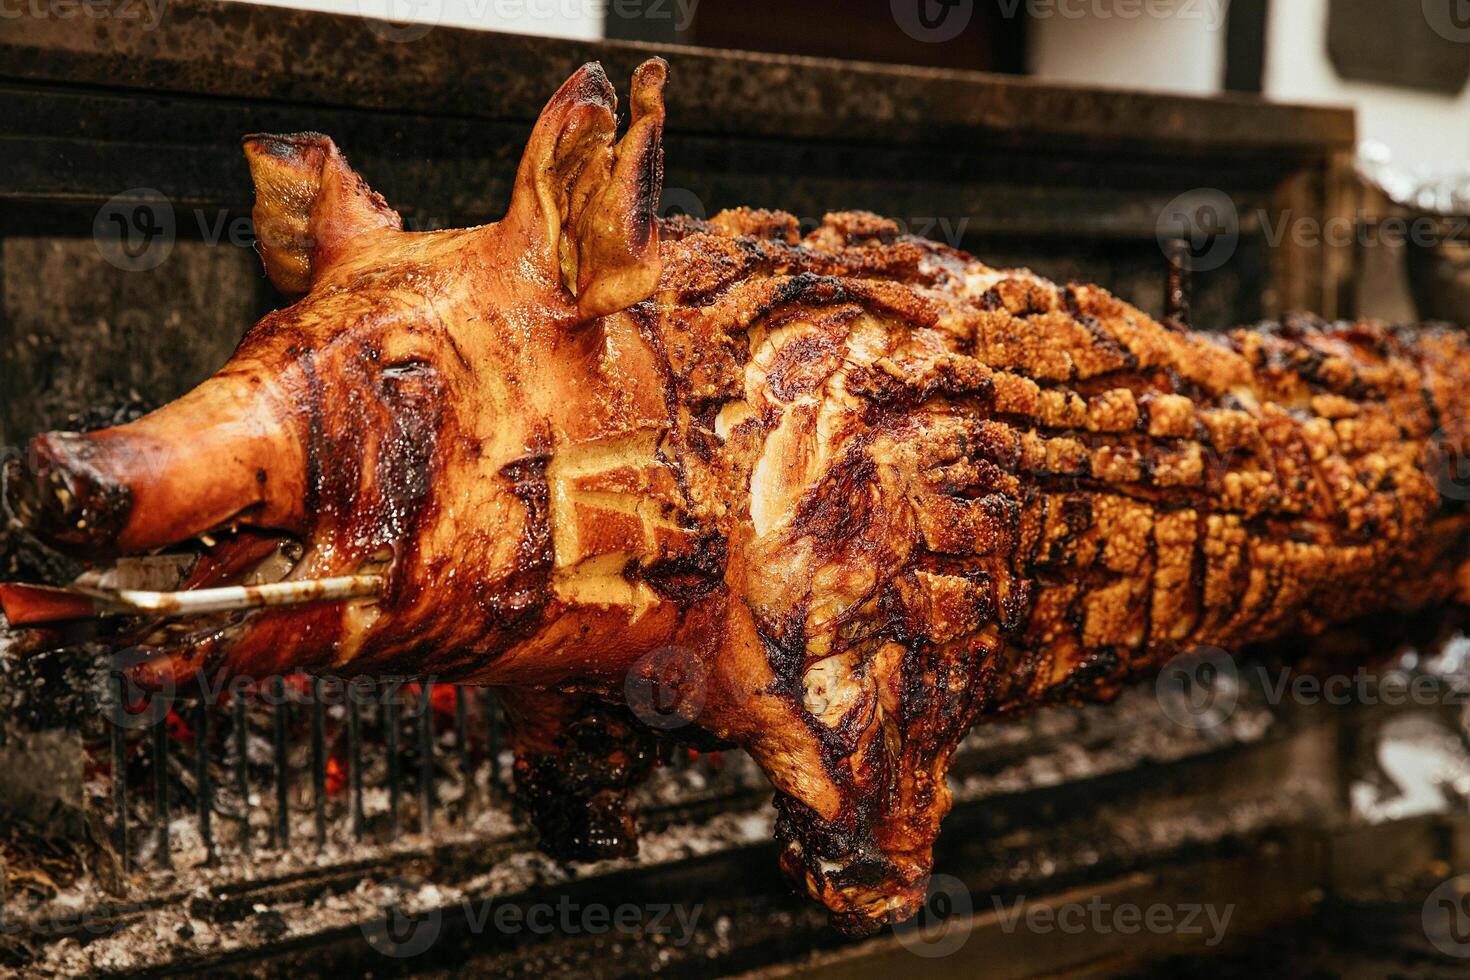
310	207
589	202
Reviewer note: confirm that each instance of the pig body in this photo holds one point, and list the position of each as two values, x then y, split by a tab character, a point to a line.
833	497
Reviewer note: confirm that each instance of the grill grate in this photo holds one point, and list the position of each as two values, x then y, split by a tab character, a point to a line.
390	719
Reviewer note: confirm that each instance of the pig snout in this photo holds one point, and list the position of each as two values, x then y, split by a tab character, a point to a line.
62	496
224	454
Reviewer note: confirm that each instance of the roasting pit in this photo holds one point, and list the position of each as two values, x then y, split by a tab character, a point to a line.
128	845
1111	800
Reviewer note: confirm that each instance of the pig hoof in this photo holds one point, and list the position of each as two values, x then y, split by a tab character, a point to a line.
577	797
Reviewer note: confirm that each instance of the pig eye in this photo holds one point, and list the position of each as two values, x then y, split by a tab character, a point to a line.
407	369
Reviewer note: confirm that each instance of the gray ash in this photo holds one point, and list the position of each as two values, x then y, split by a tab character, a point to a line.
55	689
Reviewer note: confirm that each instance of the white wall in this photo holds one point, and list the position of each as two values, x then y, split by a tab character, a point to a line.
1179	46
580	19
1155	45
1426	130
1158	45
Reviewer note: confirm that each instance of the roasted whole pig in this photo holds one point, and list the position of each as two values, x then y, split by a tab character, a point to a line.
834	497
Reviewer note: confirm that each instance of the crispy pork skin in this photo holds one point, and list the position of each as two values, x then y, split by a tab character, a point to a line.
834	496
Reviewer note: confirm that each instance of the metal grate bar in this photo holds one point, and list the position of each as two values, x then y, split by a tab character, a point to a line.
319	761
426	757
395	776
462	749
242	766
283	787
204	791
354	763
160	791
492	743
118	737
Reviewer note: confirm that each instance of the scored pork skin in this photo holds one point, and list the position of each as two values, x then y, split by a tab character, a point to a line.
949	491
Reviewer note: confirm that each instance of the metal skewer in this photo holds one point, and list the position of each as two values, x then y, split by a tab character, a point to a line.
27	605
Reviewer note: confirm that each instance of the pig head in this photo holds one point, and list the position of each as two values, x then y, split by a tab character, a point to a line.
400	416
465	413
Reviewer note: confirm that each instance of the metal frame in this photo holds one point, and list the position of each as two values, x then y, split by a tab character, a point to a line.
437	123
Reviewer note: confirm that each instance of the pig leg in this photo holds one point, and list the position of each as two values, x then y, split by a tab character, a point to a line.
857	746
887	742
576	760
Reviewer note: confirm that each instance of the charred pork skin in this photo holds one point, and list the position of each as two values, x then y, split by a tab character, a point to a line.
858	489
